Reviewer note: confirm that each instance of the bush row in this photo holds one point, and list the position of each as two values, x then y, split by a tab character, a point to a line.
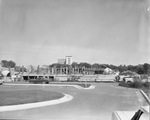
135	84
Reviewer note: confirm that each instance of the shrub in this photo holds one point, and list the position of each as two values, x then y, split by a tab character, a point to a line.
122	83
136	84
146	84
144	76
84	85
73	79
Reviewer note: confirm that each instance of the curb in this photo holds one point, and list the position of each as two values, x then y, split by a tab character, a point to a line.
66	98
79	87
145	96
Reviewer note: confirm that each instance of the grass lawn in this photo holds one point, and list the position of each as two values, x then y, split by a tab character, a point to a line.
26	96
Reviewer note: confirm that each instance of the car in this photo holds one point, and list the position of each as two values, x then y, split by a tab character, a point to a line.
119	78
40	80
128	79
141	114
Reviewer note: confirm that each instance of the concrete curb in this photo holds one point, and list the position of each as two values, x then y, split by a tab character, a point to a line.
89	88
76	86
66	98
145	96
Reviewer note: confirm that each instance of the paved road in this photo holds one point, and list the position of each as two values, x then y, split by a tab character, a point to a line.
96	104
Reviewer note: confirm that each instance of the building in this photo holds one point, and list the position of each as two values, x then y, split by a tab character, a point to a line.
108	71
61	61
68	60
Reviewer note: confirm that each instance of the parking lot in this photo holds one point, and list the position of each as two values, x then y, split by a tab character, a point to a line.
94	104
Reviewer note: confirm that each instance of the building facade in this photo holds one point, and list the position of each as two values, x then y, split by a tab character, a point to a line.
61	61
68	60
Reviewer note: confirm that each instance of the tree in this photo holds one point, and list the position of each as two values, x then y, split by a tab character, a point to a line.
17	68
74	64
103	65
84	64
23	69
38	69
11	64
57	65
132	68
122	68
4	63
112	67
31	69
140	69
95	65
146	68
8	64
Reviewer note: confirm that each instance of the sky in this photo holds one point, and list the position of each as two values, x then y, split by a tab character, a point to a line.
39	32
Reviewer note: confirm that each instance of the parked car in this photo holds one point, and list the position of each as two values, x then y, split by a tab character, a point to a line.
40	80
120	77
128	79
142	114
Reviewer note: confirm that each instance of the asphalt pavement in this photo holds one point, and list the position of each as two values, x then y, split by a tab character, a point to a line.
94	104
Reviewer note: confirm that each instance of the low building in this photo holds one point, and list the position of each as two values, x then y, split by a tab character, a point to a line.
108	71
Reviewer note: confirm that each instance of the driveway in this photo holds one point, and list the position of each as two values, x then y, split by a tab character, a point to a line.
95	104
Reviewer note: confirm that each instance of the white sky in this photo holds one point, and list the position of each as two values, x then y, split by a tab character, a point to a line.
95	31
